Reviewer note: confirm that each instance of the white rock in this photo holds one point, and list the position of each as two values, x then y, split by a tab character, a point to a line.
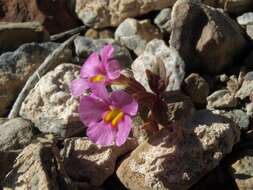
50	105
245	19
157	51
136	34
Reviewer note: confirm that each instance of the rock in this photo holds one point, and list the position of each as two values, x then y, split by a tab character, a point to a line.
6	162
242	170
106	33
197	88
249	109
218	178
12	35
53	15
92	33
247	87
245	19
221	99
15	134
85	46
102	34
33	169
179	110
163	20
215	3
180	107
233	84
86	161
50	106
136	34
215	41
238	6
249	30
237	116
177	157
156	52
17	66
100	14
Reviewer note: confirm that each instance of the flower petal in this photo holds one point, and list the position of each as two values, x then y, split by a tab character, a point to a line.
78	86
99	91
124	128
91	110
113	70
125	102
106	53
92	66
101	133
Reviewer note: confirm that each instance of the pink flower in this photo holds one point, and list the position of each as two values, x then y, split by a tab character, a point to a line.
98	69
108	117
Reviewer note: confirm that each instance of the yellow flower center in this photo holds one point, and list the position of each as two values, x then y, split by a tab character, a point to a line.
114	116
97	78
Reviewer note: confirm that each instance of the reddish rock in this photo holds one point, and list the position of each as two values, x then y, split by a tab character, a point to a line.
53	14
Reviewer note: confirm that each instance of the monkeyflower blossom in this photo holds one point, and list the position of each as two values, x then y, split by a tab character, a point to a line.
108	116
98	69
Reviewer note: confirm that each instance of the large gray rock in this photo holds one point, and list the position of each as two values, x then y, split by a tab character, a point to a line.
15	134
205	37
17	66
85	46
34	168
12	35
86	161
136	34
177	157
101	13
50	106
157	52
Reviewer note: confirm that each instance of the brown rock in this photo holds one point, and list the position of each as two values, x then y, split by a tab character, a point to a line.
86	161
102	33
238	6
205	37
178	157
54	15
33	169
197	88
12	35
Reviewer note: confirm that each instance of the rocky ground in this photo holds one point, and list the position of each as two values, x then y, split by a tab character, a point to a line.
206	47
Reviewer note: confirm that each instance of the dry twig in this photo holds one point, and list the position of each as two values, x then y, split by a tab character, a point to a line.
68	33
